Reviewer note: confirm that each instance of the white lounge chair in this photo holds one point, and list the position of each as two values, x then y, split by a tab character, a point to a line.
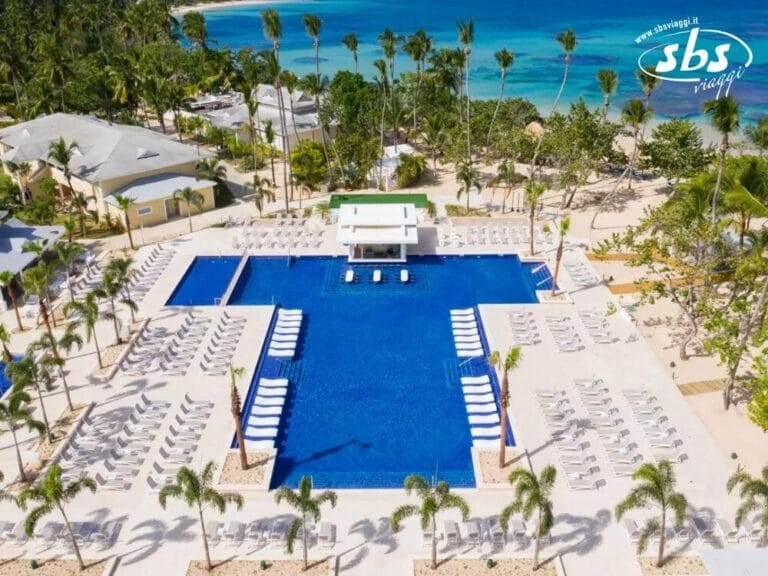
404	276
483	432
451	532
477	353
377	275
475	379
264	421
256	432
281	353
266	410
326	535
486	408
478	398
349	276
261	400
727	533
273	391
273	382
484	418
477	389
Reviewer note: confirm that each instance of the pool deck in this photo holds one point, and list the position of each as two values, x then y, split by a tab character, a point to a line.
586	537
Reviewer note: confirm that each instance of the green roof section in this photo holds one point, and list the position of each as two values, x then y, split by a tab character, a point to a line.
419	200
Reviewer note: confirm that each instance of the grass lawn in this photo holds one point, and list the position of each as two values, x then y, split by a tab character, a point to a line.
420	200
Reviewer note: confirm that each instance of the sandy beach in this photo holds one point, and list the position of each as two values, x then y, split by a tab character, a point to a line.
202	7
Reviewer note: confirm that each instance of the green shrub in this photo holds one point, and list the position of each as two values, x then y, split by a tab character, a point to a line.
410	169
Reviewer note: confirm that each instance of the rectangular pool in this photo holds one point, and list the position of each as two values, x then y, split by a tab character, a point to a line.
205	281
374	389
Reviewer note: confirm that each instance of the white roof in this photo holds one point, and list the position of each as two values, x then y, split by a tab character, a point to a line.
377	224
14	234
104	151
157	187
266	94
236	117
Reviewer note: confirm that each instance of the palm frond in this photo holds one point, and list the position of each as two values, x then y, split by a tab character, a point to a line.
651	527
293	534
401	513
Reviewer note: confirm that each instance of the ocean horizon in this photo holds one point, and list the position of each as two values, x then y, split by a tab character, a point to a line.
606	39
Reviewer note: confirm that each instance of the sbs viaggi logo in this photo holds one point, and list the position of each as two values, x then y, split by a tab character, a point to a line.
711	60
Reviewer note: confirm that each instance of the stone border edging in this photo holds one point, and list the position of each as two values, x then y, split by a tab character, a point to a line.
124	353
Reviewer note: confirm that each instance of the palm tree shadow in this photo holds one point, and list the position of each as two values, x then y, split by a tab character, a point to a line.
158	532
584	535
372	534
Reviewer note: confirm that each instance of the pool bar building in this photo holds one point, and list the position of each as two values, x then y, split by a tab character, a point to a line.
377	232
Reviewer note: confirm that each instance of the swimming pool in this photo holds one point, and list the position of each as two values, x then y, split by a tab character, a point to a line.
205	281
374	390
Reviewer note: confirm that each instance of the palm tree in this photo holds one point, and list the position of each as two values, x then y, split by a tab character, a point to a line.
350	42
6	281
5	339
112	289
568	42
234	407
191	198
307	506
383	82
215	170
125	202
466	37
273	30
67	254
312	25
724	115
52	494
656	485
505	175
635	114
609	83
504	58
434	135
79	203
532	495
262	191
433	500
28	373
15	414
269	138
754	496
468	178
61	153
52	357
758	135
388	41
290	81
418	45
648	83
87	310
34	280
511	362
565	226
533	193
121	269
197	492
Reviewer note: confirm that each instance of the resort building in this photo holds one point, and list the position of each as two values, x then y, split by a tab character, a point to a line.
377	232
301	117
13	235
107	159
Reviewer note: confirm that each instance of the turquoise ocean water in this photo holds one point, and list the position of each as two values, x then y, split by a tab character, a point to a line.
606	33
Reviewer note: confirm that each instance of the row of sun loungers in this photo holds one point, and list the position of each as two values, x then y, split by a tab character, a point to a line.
285	335
697	527
222	345
288	236
525	331
563	331
581	273
264	533
482	412
52	534
146	275
466	334
266	410
180	442
377	277
458	236
475	532
597	327
663	438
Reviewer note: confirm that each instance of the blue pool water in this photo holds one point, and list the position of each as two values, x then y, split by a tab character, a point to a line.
374	389
205	280
5	382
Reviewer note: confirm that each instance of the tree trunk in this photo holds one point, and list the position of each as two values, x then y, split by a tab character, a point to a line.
434	544
189	217
562	84
72	537
744	334
66	388
304	541
608	197
96	345
128	229
469	144
15	305
381	138
718	182
114	320
558	258
22	474
690	335
45	414
538	544
633	159
496	110
662	537
531	217
503	420
205	538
